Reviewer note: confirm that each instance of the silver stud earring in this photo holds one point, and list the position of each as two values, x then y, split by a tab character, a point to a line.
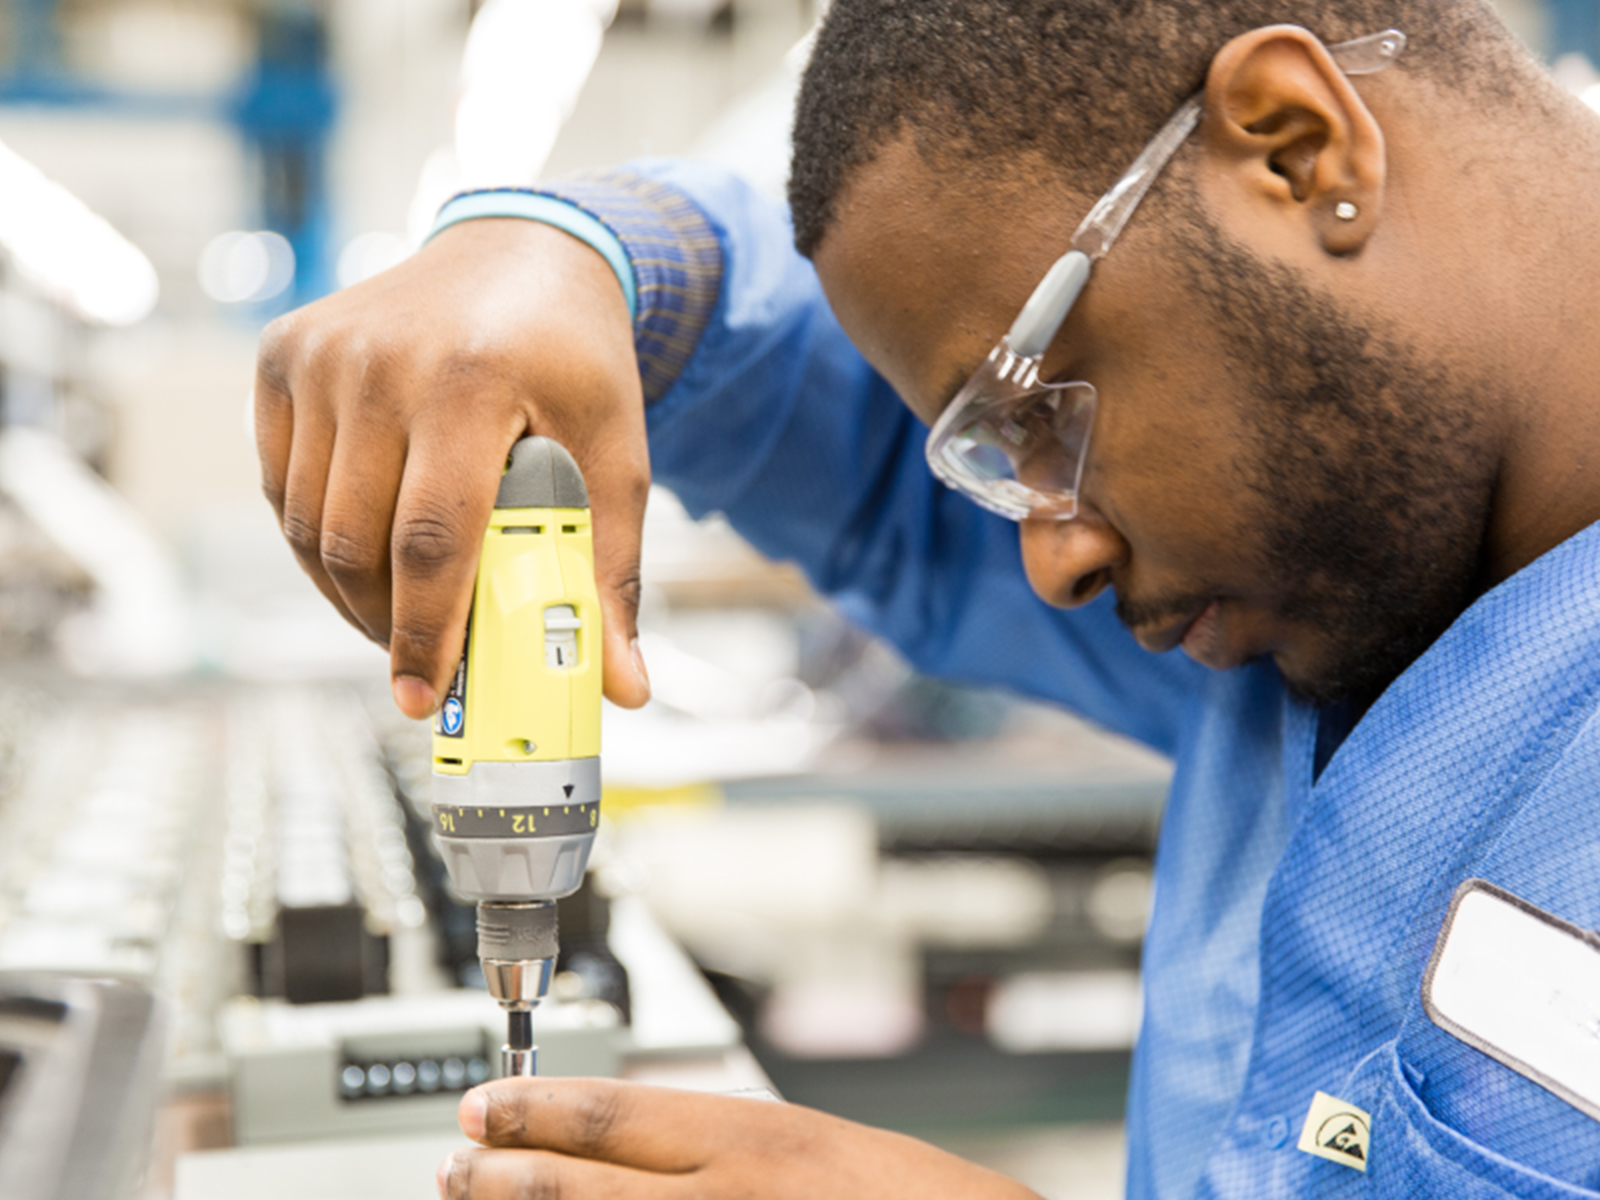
1345	210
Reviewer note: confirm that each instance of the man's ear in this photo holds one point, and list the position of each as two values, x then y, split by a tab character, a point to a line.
1285	117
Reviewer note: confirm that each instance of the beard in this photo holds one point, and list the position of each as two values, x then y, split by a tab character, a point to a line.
1371	479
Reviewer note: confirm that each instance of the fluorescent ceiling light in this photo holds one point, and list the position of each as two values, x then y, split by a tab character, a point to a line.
68	252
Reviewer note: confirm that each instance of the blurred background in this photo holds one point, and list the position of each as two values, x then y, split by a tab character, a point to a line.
904	902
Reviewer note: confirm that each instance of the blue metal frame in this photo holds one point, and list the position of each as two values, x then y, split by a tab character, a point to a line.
285	111
1575	28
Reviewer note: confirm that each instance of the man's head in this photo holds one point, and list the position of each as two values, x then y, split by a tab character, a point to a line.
1289	458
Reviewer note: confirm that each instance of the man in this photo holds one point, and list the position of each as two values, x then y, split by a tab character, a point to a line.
1331	428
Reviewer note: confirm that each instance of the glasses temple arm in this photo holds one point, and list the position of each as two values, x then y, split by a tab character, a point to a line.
1361	56
1039	319
1369	55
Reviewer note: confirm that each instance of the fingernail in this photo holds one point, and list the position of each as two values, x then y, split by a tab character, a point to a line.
414	697
638	663
474	1115
443	1177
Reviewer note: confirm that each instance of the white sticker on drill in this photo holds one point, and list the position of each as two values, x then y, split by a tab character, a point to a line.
1523	987
561	625
452	721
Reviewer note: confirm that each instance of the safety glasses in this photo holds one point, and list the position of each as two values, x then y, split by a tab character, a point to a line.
1016	445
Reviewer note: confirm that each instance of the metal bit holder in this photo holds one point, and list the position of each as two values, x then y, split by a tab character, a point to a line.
519	1056
517	944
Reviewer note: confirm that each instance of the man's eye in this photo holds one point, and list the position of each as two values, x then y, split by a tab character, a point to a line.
1015	434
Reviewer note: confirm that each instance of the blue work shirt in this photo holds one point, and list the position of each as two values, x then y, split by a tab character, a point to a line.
1294	911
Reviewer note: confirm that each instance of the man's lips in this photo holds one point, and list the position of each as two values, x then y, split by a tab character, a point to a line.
1158	639
1201	635
1206	641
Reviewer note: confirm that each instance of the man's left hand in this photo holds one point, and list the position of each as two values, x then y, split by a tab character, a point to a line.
587	1139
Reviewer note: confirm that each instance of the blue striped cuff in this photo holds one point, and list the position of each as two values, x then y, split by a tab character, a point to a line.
548	210
672	265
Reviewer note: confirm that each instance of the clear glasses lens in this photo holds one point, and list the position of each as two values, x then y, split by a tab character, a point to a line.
1020	455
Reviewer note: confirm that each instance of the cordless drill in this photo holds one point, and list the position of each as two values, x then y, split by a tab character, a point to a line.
516	744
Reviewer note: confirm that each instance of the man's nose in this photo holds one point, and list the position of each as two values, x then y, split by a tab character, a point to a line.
1069	563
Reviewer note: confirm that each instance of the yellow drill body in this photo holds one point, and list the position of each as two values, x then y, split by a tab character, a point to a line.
522	699
516	745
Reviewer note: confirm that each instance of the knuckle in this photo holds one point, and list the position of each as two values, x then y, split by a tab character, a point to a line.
505	1121
459	1185
272	489
540	1181
381	362
458	1180
276	339
629	587
594	1120
459	360
350	556
276	353
637	486
536	1176
465	375
301	532
425	544
413	638
271	403
465	362
271	398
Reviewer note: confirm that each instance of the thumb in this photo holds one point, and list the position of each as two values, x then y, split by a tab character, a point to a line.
619	487
626	681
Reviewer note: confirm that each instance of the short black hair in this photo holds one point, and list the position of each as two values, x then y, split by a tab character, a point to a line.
1086	82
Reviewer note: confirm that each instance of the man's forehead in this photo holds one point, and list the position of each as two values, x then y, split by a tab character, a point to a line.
926	264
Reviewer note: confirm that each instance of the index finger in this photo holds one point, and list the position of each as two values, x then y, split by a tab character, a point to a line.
272	418
446	495
521	1174
275	427
629	1124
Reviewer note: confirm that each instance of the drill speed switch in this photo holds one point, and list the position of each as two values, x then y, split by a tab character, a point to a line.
516	746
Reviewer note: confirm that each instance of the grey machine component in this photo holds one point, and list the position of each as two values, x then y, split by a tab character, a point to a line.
79	1071
384	1065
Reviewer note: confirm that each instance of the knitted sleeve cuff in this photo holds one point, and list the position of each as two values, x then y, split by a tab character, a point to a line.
670	251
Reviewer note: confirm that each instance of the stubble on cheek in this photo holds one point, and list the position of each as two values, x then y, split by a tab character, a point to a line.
1368	479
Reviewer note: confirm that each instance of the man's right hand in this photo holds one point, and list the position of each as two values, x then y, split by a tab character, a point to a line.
384	414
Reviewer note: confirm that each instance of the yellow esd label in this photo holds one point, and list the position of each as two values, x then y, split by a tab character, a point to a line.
1337	1131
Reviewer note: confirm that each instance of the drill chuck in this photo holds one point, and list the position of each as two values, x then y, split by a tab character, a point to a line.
517	932
518	946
